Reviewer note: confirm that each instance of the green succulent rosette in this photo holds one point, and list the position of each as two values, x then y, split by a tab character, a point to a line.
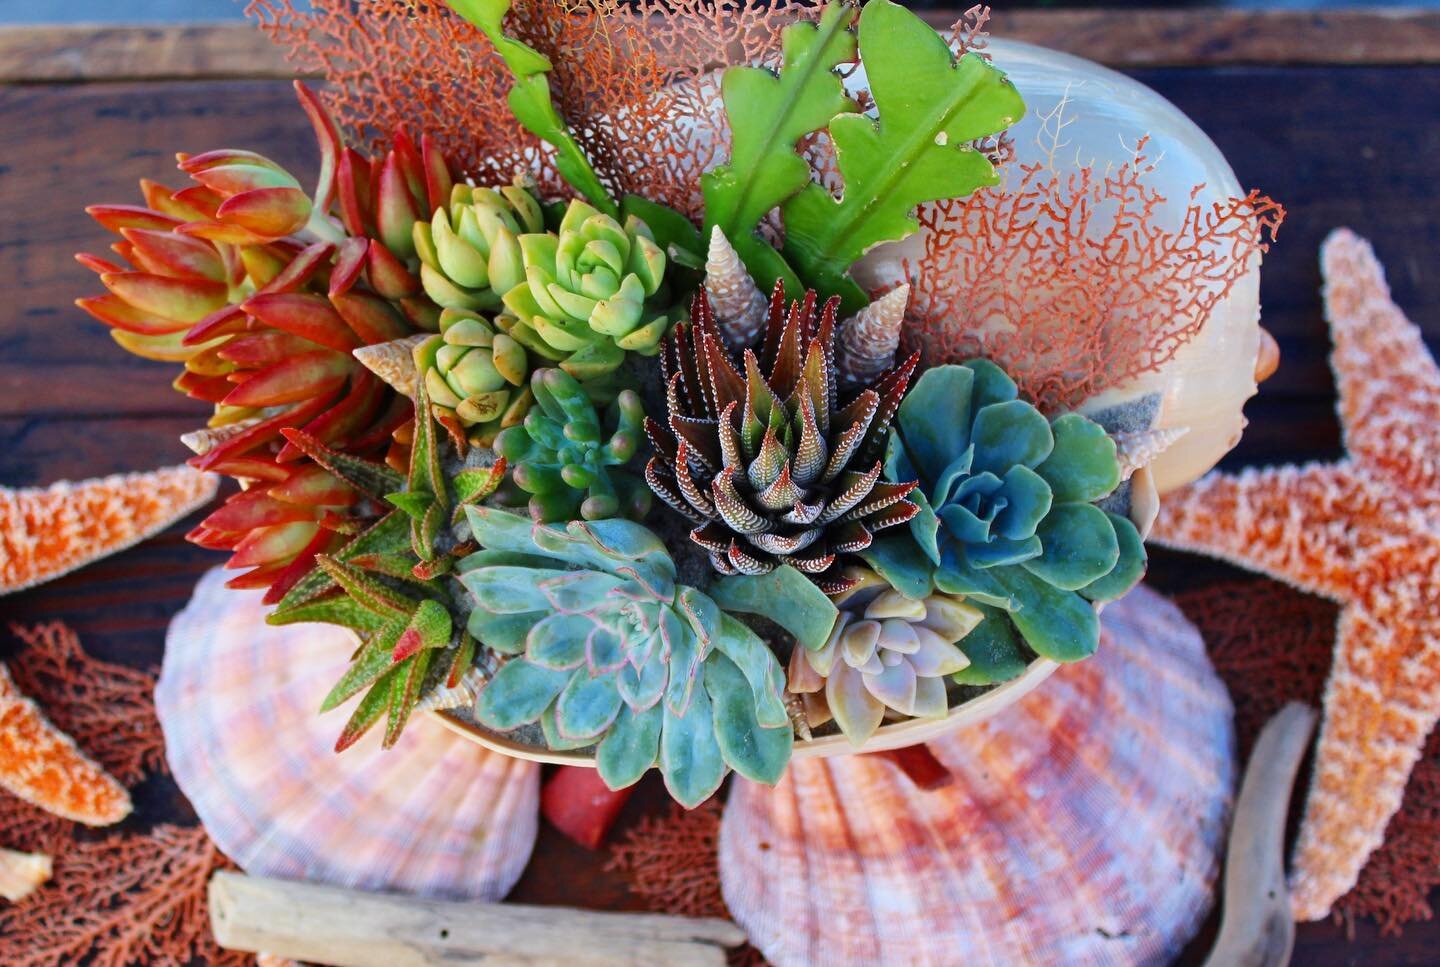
606	649
591	292
567	462
1008	517
469	250
475	376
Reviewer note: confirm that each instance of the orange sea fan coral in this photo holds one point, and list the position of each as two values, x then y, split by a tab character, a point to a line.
1069	280
45	532
41	765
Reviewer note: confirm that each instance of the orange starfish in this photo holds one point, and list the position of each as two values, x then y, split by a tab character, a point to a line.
45	532
42	766
1365	532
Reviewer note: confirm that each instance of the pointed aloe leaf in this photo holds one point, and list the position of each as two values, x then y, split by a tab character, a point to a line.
429	628
370	478
390	534
366	590
370	710
768	114
786	597
427	474
339	609
756	752
412	503
375	659
530	99
518	694
1127	571
472	486
690	756
426	531
753	659
930	110
631	746
995	651
404	694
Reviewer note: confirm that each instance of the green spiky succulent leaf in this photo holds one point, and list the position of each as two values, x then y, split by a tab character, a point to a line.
769	113
609	650
930	108
1007	515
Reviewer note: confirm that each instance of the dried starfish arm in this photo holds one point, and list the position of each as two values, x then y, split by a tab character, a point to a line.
42	765
46	532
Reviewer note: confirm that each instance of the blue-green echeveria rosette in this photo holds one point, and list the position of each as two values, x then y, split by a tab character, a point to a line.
606	649
1008	516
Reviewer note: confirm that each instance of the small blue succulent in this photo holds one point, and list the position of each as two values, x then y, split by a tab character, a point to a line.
1007	516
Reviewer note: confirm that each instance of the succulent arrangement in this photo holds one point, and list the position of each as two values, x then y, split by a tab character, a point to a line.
450	406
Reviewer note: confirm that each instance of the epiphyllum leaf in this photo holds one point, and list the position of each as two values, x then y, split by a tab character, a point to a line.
768	114
930	109
530	99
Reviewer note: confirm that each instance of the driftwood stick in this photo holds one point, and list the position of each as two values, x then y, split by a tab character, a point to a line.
1257	929
350	928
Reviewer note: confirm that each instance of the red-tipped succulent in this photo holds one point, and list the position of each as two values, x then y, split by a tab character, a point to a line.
263	291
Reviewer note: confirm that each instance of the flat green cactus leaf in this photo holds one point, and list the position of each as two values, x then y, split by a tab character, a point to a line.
338	609
370	710
1059	625
530	99
690	757
1082	467
630	747
505	633
995	651
753	659
956	576
559	641
930	108
754	751
518	694
1028	500
934	421
375	659
1079	547
1127	571
555	739
769	113
1008	433
902	563
786	597
588	704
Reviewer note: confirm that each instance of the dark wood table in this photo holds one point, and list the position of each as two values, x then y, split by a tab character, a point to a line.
1336	114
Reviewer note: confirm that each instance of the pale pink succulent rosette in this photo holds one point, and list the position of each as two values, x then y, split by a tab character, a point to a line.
1084	823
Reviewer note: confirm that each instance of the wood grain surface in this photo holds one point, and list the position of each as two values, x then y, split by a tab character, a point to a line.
1334	114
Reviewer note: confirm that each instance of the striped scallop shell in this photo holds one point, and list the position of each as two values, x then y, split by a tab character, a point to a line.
237	699
1083	825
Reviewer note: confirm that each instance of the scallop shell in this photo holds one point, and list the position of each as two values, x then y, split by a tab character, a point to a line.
238	700
1083	826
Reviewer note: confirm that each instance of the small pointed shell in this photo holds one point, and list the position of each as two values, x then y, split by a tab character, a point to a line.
867	341
740	307
238	701
207	438
1136	450
393	361
22	873
1083	825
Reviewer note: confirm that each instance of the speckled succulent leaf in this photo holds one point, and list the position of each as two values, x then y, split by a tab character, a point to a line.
472	486
410	503
785	596
631	746
367	591
1083	465
995	651
518	694
428	628
1078	544
405	695
372	709
334	609
930	107
1059	625
373	661
370	478
690	758
768	114
1128	570
530	99
753	750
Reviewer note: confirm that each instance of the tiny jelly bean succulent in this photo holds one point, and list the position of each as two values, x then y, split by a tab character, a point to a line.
608	650
568	460
887	653
1007	514
469	250
475	375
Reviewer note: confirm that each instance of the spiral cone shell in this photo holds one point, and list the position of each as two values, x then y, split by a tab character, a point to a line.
740	307
867	342
237	699
1083	825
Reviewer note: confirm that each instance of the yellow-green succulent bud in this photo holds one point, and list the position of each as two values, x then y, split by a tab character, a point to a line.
475	375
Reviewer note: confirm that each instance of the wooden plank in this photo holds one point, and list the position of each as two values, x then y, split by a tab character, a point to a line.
1124	38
